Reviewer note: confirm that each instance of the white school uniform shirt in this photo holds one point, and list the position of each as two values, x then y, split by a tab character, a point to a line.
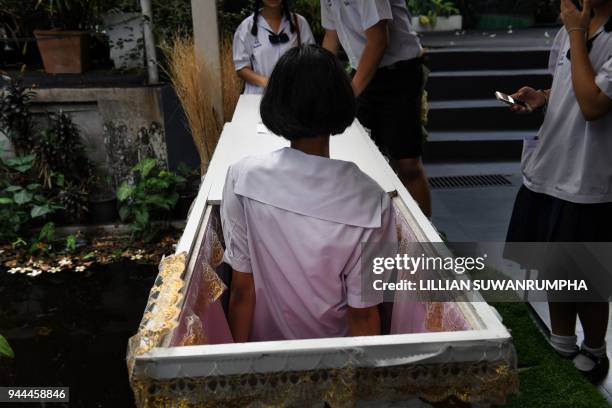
351	19
571	159
297	222
257	53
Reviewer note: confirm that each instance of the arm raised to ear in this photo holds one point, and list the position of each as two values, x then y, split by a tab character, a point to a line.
241	306
593	101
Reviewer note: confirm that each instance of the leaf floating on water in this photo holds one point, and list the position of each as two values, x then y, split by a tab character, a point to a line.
5	348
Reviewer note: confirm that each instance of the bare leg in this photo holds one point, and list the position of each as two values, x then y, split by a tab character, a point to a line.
594	319
412	175
563	318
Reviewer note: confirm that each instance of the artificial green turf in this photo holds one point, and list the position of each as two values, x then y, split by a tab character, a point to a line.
546	380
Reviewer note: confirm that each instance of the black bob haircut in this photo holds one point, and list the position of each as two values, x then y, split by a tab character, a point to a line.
308	95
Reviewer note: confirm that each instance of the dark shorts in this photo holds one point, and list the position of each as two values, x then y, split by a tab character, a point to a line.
574	228
390	107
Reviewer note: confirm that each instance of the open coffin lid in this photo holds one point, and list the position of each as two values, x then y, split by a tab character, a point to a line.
184	353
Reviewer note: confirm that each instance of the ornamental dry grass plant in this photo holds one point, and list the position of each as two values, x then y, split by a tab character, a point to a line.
231	83
193	79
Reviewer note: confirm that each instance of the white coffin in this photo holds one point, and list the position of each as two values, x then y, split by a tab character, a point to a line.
476	364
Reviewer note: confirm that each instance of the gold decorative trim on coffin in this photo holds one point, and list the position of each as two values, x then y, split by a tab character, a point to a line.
484	382
163	308
166	297
213	286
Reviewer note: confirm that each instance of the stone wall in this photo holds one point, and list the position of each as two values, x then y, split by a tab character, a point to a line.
96	110
121	125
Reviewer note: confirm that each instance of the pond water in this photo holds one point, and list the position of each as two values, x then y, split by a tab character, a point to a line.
71	329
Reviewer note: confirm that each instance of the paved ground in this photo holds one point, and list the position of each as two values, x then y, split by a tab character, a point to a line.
474	214
482	214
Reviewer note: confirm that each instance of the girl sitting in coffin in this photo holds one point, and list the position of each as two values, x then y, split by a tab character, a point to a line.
294	219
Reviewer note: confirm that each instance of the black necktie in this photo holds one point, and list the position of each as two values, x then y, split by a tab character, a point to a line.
276	39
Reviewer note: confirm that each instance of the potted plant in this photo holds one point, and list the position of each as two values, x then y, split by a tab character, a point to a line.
64	46
435	15
123	23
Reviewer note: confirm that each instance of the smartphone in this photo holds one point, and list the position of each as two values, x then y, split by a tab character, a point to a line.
507	99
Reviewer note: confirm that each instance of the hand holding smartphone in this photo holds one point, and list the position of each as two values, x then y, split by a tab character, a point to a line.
507	99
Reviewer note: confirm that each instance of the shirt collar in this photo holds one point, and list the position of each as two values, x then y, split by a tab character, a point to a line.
264	23
317	187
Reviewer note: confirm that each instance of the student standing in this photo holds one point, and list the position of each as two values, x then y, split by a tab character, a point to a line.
263	37
385	54
567	169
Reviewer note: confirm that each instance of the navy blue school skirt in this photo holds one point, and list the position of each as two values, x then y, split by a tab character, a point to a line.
540	218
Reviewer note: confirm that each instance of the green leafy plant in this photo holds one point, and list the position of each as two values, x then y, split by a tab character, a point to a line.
60	150
169	17
15	116
232	14
5	348
71	243
19	18
71	14
43	241
22	202
429	10
153	189
191	176
311	11
61	165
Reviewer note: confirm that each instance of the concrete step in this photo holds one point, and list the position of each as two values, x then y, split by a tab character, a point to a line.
451	169
480	136
480	115
481	84
468	59
475	145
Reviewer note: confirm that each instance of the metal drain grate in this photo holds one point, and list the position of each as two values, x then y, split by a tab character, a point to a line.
484	180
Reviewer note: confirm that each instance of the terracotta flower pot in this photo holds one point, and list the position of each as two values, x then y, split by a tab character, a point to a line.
63	52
